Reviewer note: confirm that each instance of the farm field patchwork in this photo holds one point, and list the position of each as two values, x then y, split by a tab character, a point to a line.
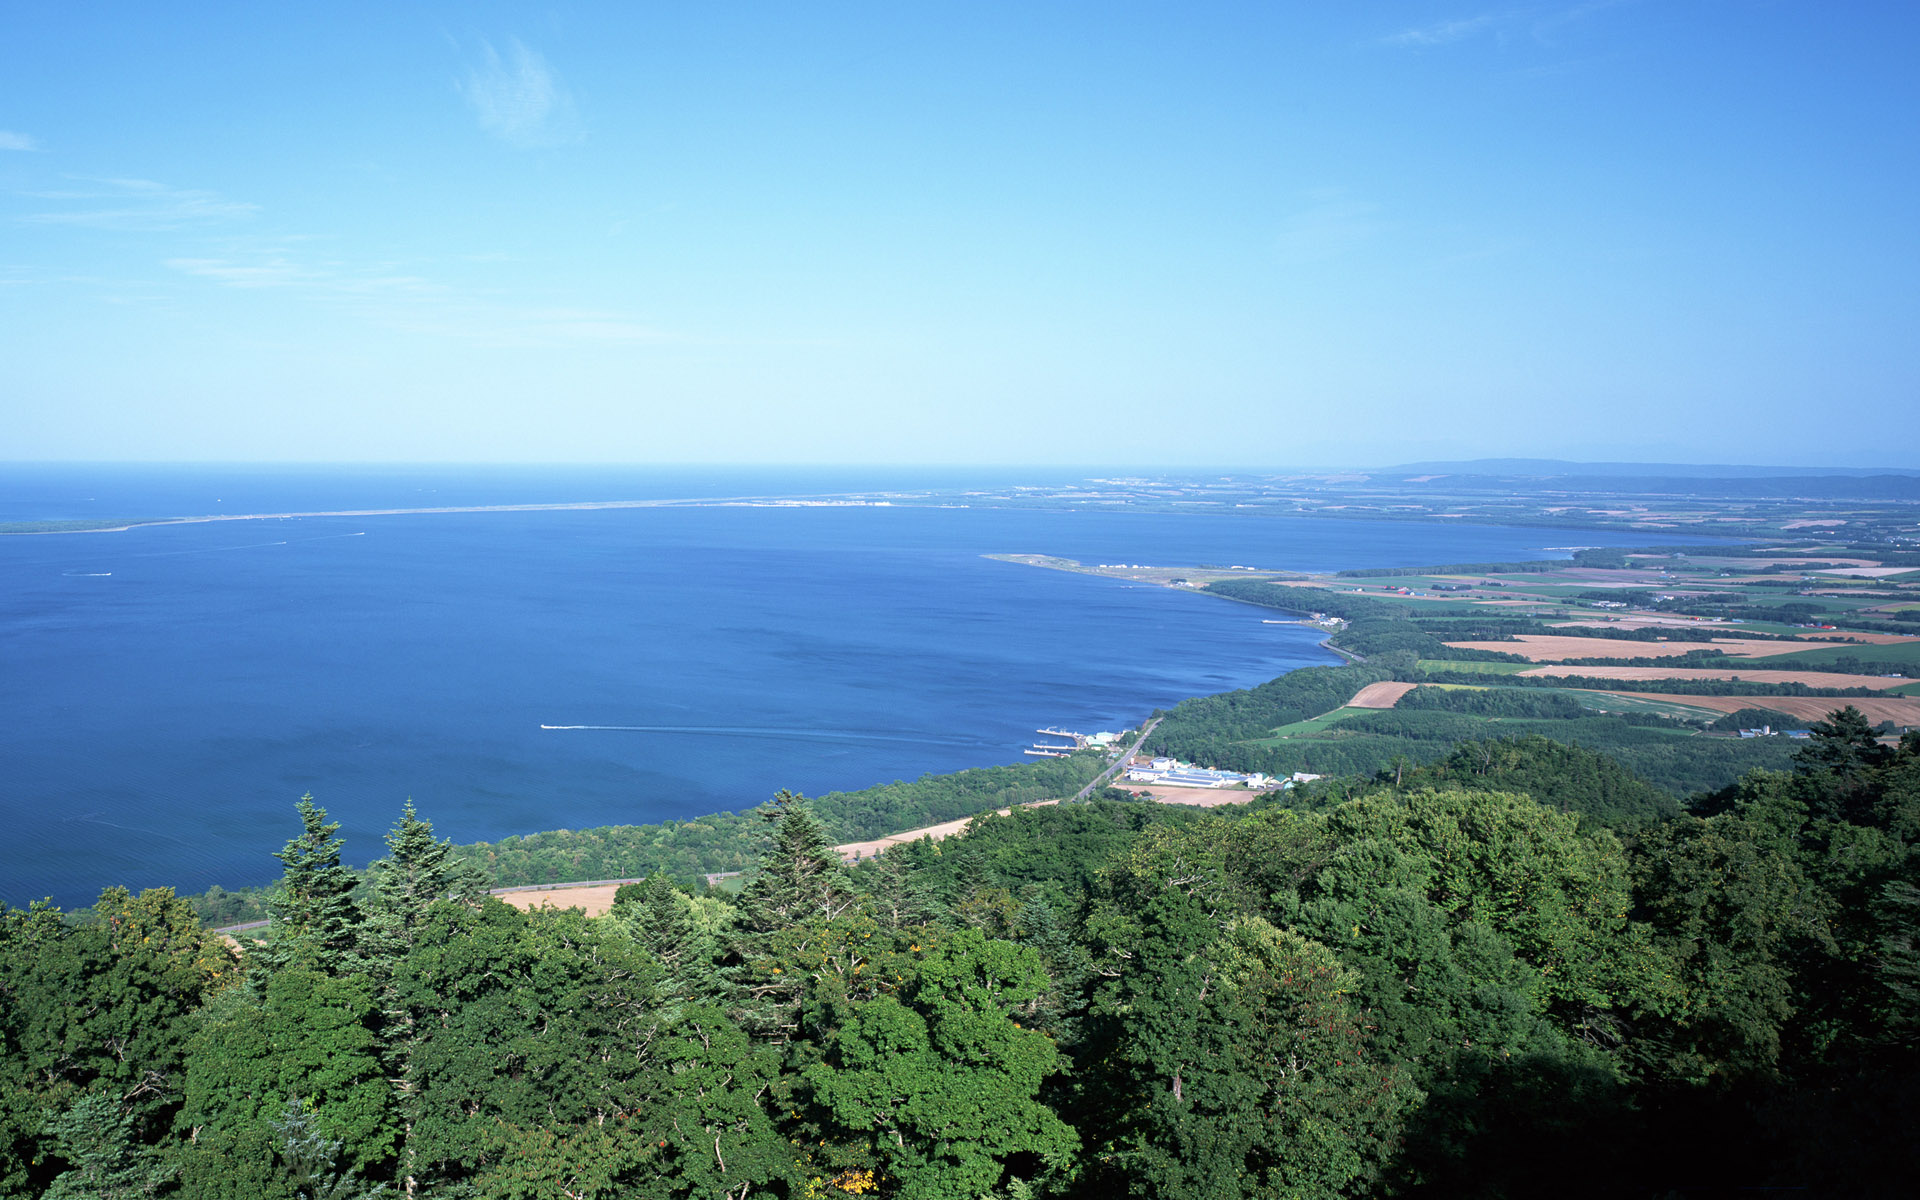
1814	679
1549	648
1899	710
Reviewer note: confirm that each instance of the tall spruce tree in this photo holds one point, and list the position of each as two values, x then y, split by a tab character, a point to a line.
419	870
416	872
317	921
312	1160
106	1159
663	920
1835	769
801	889
800	876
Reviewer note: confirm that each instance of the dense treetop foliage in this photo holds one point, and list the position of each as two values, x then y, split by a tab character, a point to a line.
1513	969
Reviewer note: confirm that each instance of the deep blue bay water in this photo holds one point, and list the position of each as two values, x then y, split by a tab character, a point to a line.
171	691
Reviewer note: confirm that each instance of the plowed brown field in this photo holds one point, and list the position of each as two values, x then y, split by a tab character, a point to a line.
1380	695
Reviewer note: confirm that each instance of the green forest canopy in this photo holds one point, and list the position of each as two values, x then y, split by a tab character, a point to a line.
1425	978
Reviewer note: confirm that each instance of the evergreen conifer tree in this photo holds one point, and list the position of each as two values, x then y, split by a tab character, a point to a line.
901	895
312	1160
801	888
106	1160
418	870
317	921
1835	769
800	877
662	920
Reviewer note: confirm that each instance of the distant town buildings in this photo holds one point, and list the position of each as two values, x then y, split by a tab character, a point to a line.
1174	773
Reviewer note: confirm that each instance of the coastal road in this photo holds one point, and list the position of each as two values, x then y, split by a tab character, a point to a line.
1146	732
853	851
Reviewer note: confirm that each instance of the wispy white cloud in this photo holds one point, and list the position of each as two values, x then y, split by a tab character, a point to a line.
278	271
136	204
1329	226
416	304
1540	22
9	140
1443	32
509	325
518	98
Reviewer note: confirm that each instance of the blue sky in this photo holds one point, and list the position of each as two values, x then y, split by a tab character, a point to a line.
1197	234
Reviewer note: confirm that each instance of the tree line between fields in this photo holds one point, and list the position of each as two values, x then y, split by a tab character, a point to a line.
1515	970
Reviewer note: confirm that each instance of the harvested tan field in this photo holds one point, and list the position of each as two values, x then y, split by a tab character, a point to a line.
1196	797
1733	648
1641	621
1866	572
1646	620
1547	648
1380	695
597	900
1542	647
1819	679
1901	710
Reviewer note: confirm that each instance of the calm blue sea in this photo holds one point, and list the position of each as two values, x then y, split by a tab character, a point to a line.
170	692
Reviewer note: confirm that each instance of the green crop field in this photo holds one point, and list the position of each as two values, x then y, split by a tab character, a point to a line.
1903	653
1311	725
1615	703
